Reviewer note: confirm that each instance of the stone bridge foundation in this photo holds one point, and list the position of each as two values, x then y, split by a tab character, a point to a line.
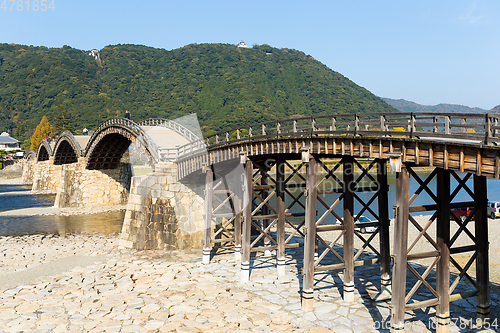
28	171
76	186
44	175
162	214
79	187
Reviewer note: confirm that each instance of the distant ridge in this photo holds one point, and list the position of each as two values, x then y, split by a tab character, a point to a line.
408	106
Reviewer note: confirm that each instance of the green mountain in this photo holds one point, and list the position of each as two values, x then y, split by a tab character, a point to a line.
408	106
226	86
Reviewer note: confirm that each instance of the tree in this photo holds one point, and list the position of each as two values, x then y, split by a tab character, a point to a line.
43	130
62	121
3	153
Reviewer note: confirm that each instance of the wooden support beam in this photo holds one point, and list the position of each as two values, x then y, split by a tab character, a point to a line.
331	227
207	232
443	242
310	239
481	233
357	263
265	209
280	203
247	222
383	215
401	211
238	194
349	188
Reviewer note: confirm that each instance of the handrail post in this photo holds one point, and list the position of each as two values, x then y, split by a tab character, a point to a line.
334	124
447	128
382	123
217	138
263	129
294	126
412	124
250	134
238	136
487	128
356	123
227	137
313	124
464	122
278	128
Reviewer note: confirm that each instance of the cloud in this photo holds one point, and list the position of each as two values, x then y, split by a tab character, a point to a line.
471	17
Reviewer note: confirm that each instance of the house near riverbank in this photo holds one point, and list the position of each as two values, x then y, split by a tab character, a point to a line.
9	143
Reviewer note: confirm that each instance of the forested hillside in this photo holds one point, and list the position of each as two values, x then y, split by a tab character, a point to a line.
225	85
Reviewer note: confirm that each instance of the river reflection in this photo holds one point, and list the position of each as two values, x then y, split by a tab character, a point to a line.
90	223
12	197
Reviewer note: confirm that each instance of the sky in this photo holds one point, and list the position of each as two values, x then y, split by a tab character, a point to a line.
425	51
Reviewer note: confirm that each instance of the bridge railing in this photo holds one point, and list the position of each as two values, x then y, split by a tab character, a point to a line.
474	128
170	124
171	154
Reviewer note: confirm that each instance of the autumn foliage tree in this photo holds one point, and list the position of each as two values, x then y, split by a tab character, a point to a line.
43	130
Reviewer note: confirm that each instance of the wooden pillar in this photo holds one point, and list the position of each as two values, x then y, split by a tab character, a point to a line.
207	234
383	215
443	242
401	211
247	222
280	201
310	240
482	261
237	220
349	187
265	208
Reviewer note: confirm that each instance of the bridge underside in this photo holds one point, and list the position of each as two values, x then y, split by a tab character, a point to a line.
307	199
107	153
65	154
43	154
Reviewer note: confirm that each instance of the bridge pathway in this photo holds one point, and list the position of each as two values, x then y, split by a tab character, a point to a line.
164	137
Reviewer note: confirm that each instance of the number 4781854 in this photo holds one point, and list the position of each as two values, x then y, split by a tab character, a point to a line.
21	5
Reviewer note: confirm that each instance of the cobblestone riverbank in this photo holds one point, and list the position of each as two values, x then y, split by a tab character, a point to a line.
85	283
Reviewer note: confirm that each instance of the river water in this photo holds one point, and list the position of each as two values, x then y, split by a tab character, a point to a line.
19	197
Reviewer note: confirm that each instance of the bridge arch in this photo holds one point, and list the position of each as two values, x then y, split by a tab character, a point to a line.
31	155
111	140
44	151
67	149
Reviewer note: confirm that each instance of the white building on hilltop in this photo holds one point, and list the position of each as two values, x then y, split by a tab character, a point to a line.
94	53
242	44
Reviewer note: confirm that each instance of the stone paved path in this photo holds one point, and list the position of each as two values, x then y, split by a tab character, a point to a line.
149	291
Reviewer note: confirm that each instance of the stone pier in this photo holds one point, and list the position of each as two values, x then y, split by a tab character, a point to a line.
76	186
162	214
79	187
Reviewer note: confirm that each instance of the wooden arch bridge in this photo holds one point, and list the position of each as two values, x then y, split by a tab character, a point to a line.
301	175
105	147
